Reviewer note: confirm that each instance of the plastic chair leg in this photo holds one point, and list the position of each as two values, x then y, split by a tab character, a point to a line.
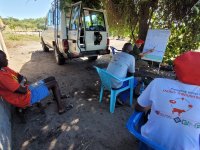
101	94
131	91
131	96
112	101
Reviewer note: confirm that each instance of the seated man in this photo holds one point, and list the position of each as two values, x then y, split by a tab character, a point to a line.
174	120
122	64
15	90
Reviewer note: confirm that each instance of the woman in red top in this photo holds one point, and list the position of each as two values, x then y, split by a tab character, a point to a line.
14	90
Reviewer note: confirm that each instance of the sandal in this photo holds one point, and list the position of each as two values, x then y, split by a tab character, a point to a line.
68	107
62	97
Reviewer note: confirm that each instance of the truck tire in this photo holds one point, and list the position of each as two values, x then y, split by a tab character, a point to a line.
92	58
60	60
44	47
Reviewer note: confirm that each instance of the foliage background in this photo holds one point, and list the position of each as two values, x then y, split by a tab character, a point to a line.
25	24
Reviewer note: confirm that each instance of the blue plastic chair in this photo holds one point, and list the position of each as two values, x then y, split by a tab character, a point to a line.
114	50
106	84
133	126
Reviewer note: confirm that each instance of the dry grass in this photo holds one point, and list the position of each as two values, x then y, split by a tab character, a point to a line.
13	40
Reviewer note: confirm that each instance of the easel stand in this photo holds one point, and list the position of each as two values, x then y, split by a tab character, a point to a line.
158	71
159	68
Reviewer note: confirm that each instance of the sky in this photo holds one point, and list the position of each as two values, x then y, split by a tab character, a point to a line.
24	9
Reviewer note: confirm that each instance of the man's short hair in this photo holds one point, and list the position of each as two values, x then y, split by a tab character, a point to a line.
2	52
127	47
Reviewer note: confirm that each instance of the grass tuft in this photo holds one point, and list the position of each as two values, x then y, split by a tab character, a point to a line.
13	40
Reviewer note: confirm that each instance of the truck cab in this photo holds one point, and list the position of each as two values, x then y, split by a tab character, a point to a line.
75	32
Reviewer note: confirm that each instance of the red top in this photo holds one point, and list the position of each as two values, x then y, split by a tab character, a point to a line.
8	85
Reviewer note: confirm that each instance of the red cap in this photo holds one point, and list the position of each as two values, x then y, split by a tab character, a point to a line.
186	67
139	41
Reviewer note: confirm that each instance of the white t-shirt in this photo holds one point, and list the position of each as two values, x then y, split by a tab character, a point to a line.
120	64
174	121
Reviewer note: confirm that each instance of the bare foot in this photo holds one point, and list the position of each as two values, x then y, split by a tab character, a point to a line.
63	97
63	110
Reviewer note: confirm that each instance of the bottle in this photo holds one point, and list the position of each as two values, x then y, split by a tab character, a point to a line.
142	88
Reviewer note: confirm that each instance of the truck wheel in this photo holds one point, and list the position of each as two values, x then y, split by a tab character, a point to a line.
60	60
92	58
44	47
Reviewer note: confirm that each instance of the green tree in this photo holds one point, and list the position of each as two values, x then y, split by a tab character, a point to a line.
136	15
185	35
25	24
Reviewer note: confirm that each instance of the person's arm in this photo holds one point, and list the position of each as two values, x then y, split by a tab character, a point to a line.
10	84
130	74
22	80
21	90
147	52
19	77
144	101
138	107
131	67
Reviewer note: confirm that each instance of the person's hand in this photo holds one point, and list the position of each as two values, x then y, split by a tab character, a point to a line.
142	54
147	52
23	81
152	50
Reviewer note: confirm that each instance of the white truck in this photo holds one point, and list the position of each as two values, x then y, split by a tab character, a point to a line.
75	32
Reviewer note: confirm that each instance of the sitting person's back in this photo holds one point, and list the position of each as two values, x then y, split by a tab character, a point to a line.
174	116
121	64
174	120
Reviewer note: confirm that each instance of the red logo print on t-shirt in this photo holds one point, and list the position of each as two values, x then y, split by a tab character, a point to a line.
176	107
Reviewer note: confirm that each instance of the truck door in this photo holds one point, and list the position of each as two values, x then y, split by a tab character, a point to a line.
95	30
73	32
48	33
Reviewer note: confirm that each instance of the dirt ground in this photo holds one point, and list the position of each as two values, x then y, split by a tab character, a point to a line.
88	126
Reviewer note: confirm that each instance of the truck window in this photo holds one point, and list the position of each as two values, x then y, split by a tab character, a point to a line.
75	17
67	20
59	17
56	17
94	21
50	18
67	17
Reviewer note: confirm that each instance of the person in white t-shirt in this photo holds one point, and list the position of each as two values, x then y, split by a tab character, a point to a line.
174	120
122	64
